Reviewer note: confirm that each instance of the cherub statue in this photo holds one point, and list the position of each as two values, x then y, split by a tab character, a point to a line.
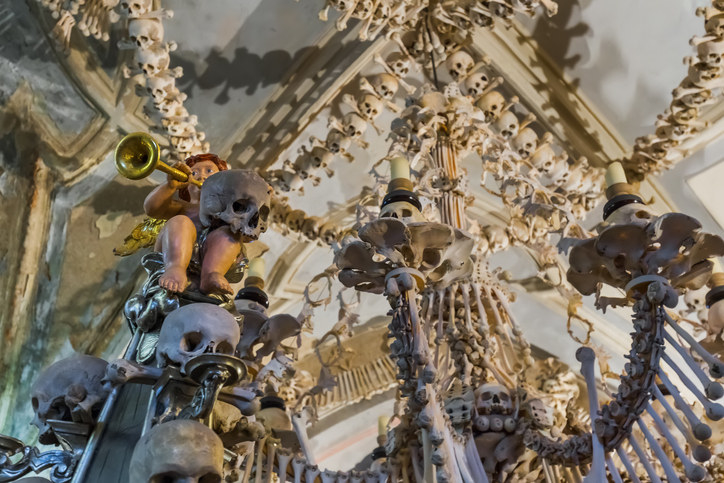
207	225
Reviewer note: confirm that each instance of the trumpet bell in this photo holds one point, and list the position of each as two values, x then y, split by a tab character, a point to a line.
137	155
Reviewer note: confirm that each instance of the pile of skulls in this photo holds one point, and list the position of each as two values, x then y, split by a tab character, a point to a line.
157	80
700	88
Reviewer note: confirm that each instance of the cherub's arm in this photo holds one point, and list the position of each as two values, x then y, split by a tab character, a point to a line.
160	202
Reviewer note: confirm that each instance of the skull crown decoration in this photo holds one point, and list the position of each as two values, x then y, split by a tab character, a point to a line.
225	399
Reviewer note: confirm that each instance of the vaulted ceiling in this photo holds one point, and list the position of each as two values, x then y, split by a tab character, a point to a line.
261	77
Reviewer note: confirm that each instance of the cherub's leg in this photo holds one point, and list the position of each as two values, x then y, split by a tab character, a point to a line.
177	244
220	252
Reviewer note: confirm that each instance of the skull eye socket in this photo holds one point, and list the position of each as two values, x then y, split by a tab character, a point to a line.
210	478
240	206
59	410
191	341
224	348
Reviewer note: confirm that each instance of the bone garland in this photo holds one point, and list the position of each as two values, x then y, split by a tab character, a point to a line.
374	95
156	80
310	227
90	17
701	87
445	20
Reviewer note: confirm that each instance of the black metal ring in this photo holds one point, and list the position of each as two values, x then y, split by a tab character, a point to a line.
714	295
253	293
617	202
401	195
272	402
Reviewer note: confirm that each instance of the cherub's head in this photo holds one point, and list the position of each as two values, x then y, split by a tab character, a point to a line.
202	166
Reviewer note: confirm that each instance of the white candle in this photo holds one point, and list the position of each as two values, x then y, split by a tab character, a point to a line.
400	168
382	425
615	174
257	268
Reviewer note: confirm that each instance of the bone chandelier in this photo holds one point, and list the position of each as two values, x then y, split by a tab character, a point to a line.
228	401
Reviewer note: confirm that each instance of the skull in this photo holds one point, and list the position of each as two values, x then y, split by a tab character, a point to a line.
525	142
370	106
295	220
399	64
715	26
560	172
541	413
185	144
172	107
178	451
196	329
68	390
145	32
544	158
696	99
694	299
279	213
459	64
289	181
539	228
342	5
492	105
363	9
481	17
137	8
403	211
497	238
710	52
162	86
288	394
329	232
320	157
239	198
337	142
179	128
310	227
493	399
152	61
507	125
385	85
435	101
476	84
354	126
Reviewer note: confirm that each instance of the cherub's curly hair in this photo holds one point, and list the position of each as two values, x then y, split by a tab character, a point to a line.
198	158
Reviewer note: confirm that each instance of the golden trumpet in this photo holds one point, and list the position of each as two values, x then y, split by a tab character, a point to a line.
138	154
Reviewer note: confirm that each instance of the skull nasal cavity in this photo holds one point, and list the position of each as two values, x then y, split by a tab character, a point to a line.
254	220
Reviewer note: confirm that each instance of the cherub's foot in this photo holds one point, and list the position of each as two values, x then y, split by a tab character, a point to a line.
174	279
215	282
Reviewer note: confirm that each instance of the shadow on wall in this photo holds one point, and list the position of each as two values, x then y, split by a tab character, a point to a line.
560	36
246	70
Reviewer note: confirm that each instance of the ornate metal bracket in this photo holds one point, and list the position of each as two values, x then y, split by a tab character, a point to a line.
61	462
